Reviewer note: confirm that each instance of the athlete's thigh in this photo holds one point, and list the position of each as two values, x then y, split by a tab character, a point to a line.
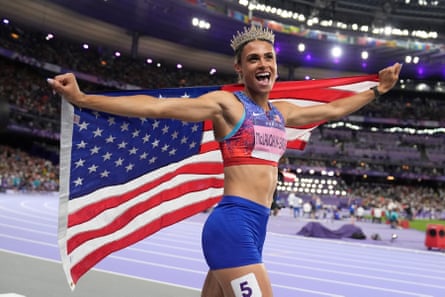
244	281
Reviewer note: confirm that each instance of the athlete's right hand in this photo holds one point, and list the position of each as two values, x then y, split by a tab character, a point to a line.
66	86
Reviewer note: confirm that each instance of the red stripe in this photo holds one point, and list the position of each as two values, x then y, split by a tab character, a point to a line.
93	209
94	257
208	125
296	144
209	146
317	95
134	211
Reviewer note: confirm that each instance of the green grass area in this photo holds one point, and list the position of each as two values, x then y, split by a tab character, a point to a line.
422	224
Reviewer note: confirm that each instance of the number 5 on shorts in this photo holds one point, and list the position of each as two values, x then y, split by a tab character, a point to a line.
246	286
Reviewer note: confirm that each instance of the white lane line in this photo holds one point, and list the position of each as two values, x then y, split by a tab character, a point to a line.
166	255
427	273
360	275
28	240
36	231
157	264
320	293
196	249
349	284
16	212
417	262
11	219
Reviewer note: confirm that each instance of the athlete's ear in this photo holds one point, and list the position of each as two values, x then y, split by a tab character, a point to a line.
239	71
237	67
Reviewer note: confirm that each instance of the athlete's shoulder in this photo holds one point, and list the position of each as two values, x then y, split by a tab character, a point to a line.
219	95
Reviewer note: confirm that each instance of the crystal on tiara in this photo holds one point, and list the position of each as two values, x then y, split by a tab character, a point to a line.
251	33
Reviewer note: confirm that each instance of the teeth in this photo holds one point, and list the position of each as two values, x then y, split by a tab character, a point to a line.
263	75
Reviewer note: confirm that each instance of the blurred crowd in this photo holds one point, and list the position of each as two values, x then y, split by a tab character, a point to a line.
21	171
35	109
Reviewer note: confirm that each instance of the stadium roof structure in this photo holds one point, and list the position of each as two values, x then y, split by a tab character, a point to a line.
163	30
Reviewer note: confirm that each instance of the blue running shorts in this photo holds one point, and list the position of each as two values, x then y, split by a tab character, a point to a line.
234	233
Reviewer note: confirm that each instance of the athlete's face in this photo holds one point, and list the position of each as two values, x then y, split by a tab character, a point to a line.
258	66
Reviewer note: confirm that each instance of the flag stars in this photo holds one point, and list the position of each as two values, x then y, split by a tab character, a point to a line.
152	160
96	114
110	139
136	133
92	168
122	145
107	156
111	121
146	138
155	124
155	143
165	147
195	128
143	156
97	132
94	150
133	151
175	135
78	182
105	173
124	127
184	140
165	129
172	152
192	145
83	126
129	167
80	163
81	145
119	162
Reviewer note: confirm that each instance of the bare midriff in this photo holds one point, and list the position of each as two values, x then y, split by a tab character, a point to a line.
253	182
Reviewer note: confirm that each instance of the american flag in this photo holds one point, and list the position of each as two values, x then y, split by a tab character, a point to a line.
123	179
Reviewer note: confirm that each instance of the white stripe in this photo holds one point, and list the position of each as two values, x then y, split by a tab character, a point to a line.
301	134
65	151
357	87
78	254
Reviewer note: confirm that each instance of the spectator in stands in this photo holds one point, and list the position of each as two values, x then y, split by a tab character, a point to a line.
236	265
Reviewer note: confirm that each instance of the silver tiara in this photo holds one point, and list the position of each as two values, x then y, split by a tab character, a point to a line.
251	33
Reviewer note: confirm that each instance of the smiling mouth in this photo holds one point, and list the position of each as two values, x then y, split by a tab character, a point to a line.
263	76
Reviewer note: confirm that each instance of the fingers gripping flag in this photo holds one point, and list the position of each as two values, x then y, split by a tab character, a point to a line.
123	179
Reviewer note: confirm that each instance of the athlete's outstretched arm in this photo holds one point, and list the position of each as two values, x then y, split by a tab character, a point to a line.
297	116
205	107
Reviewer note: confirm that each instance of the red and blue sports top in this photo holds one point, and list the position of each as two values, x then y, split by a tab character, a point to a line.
259	137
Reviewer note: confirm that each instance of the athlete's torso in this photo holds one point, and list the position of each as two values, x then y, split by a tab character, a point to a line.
258	138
